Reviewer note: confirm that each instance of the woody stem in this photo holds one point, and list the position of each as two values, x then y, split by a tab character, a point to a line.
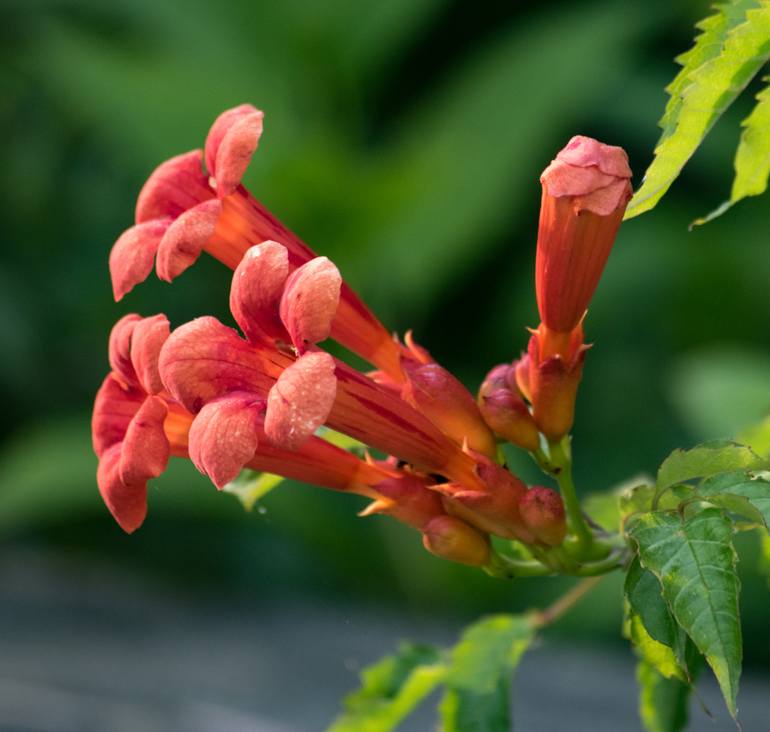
565	603
561	469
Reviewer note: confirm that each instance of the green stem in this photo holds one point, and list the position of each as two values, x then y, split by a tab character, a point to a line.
507	568
561	469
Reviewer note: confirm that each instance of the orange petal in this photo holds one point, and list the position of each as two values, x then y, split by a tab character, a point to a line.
258	282
127	503
146	448
309	302
133	254
148	338
230	144
225	434
175	186
301	400
184	240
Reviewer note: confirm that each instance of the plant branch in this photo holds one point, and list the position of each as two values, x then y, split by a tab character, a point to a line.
565	603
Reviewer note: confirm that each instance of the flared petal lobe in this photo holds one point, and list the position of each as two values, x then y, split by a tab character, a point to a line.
309	302
127	503
230	144
185	239
175	186
145	451
256	290
225	434
301	400
133	255
147	339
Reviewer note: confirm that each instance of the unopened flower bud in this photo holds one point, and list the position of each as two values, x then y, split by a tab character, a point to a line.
451	538
449	405
585	193
542	509
505	411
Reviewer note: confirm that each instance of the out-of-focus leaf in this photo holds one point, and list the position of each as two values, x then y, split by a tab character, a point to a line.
391	689
706	460
479	678
718	392
663	702
708	89
604	508
695	562
473	150
758	438
642	498
251	485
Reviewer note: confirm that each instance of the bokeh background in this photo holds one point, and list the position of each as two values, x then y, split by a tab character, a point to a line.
404	140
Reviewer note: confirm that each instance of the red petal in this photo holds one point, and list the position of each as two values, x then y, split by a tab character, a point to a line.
230	144
148	338
301	400
127	503
119	349
133	254
309	302
225	434
145	450
173	187
114	408
203	360
256	290
184	240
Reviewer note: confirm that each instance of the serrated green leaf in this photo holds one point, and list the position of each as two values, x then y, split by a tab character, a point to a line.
663	702
740	492
705	93
391	689
251	485
708	44
644	594
660	656
752	158
706	460
482	666
695	562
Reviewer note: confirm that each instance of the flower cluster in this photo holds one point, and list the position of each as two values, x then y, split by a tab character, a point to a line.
256	397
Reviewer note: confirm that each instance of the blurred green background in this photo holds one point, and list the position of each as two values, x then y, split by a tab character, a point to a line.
404	140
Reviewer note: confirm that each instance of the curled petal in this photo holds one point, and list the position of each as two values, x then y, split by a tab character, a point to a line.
203	360
127	503
301	400
230	144
309	302
148	338
146	449
119	349
173	187
114	408
256	290
583	152
133	254
184	240
225	434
